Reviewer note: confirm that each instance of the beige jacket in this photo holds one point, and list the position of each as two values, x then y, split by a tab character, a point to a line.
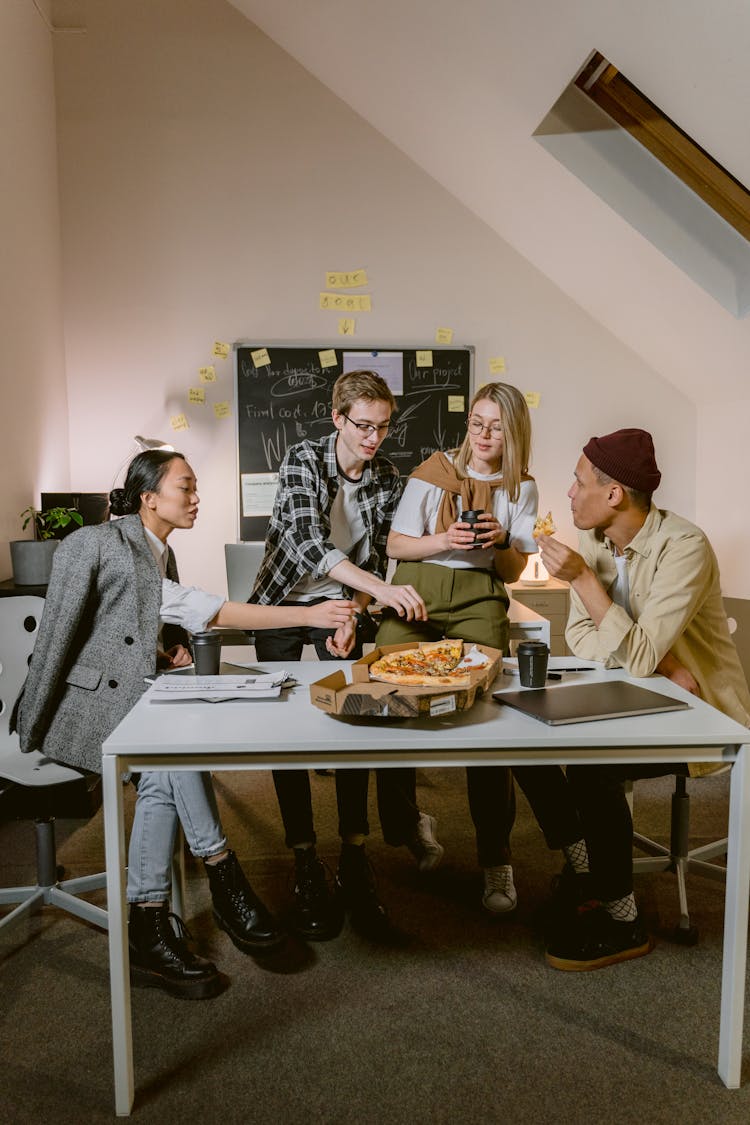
676	603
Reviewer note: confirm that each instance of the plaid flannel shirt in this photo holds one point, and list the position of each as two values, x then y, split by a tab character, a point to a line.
298	541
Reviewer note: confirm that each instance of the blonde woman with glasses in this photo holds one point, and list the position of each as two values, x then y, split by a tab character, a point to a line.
461	573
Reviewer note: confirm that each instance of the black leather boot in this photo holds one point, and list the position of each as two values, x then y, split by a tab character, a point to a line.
238	910
160	957
317	913
357	882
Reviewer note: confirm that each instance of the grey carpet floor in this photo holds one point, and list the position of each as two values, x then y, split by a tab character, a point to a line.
460	1022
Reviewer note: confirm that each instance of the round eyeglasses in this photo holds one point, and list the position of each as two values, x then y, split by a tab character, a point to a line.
476	426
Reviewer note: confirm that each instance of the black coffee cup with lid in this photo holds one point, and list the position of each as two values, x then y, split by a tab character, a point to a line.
532	663
206	653
473	517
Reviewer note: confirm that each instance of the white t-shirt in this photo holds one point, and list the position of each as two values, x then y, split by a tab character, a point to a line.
418	509
619	591
348	534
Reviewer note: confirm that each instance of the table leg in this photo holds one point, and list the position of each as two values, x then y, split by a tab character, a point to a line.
735	924
119	962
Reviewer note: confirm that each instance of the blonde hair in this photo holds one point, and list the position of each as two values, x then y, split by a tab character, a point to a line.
360	384
516	423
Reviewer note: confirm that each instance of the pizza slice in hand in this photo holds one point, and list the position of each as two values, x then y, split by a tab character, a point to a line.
544	525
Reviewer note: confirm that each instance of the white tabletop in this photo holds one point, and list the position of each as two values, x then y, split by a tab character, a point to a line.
292	725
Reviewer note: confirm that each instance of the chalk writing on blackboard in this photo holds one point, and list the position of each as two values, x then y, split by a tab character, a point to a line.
288	400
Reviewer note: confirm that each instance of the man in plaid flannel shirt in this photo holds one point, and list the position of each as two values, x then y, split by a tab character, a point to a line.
326	539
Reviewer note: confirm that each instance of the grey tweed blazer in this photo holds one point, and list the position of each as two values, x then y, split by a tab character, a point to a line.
97	640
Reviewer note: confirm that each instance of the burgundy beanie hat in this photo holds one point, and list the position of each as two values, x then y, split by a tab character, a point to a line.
628	457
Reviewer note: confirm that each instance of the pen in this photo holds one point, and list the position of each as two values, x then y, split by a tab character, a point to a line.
556	672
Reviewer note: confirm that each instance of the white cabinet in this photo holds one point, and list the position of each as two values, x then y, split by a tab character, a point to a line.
550	601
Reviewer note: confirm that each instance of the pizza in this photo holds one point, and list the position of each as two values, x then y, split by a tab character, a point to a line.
544	525
432	665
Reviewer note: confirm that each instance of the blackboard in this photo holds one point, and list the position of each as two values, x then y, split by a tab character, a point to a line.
289	399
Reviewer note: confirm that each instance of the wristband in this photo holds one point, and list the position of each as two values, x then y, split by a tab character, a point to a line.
506	543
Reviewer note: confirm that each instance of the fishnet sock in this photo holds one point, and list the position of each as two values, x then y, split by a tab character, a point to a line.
577	855
622	909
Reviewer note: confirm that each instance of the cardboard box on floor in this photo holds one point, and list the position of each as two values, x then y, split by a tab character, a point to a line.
364	696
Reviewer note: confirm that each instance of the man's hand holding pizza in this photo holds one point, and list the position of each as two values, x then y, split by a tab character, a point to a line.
559	560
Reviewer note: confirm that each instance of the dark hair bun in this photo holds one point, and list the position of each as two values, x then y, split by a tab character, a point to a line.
121	503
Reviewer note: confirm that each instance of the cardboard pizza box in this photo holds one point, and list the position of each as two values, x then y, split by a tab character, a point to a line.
363	696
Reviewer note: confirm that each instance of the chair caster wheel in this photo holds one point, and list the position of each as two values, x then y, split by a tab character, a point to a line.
60	872
685	935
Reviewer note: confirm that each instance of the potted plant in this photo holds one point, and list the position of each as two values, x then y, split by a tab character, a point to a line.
32	558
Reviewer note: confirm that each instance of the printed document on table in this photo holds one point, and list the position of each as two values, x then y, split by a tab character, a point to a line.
216	689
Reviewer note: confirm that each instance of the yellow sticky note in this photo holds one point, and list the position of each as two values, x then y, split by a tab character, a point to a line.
260	357
197	394
444	336
222	410
346	326
346	302
221	350
179	422
533	398
207	374
351	280
424	359
497	365
455	404
328	358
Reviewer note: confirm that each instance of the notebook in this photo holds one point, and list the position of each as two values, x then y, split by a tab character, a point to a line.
585	703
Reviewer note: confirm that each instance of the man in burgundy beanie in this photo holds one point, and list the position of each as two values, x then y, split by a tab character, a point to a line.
646	597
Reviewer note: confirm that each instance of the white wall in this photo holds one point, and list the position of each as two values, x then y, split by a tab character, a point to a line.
723	488
33	419
208	181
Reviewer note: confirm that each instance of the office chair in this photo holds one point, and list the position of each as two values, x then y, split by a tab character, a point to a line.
679	857
34	788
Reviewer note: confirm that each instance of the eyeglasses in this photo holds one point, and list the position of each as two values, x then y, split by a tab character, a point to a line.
368	428
476	426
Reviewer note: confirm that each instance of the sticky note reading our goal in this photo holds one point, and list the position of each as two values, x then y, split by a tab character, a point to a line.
260	357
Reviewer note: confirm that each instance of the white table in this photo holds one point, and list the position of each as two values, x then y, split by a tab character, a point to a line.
290	733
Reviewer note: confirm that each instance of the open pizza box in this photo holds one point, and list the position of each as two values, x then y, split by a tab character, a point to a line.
364	696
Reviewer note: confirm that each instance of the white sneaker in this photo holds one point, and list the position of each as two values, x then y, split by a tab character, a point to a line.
499	893
424	847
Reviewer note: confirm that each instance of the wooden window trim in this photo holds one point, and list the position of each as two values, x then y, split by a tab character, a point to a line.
625	104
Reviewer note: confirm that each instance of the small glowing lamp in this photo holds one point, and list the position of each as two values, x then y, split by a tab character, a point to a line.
534	573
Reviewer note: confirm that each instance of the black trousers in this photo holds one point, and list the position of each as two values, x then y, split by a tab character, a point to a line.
398	814
599	795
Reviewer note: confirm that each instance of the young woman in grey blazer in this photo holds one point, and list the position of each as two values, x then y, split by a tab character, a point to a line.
113	586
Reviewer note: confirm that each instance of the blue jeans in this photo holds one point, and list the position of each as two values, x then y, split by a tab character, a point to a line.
164	800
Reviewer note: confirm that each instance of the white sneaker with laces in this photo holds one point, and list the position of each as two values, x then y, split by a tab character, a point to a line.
424	847
499	893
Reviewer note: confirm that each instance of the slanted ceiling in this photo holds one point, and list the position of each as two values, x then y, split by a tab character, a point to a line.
460	86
